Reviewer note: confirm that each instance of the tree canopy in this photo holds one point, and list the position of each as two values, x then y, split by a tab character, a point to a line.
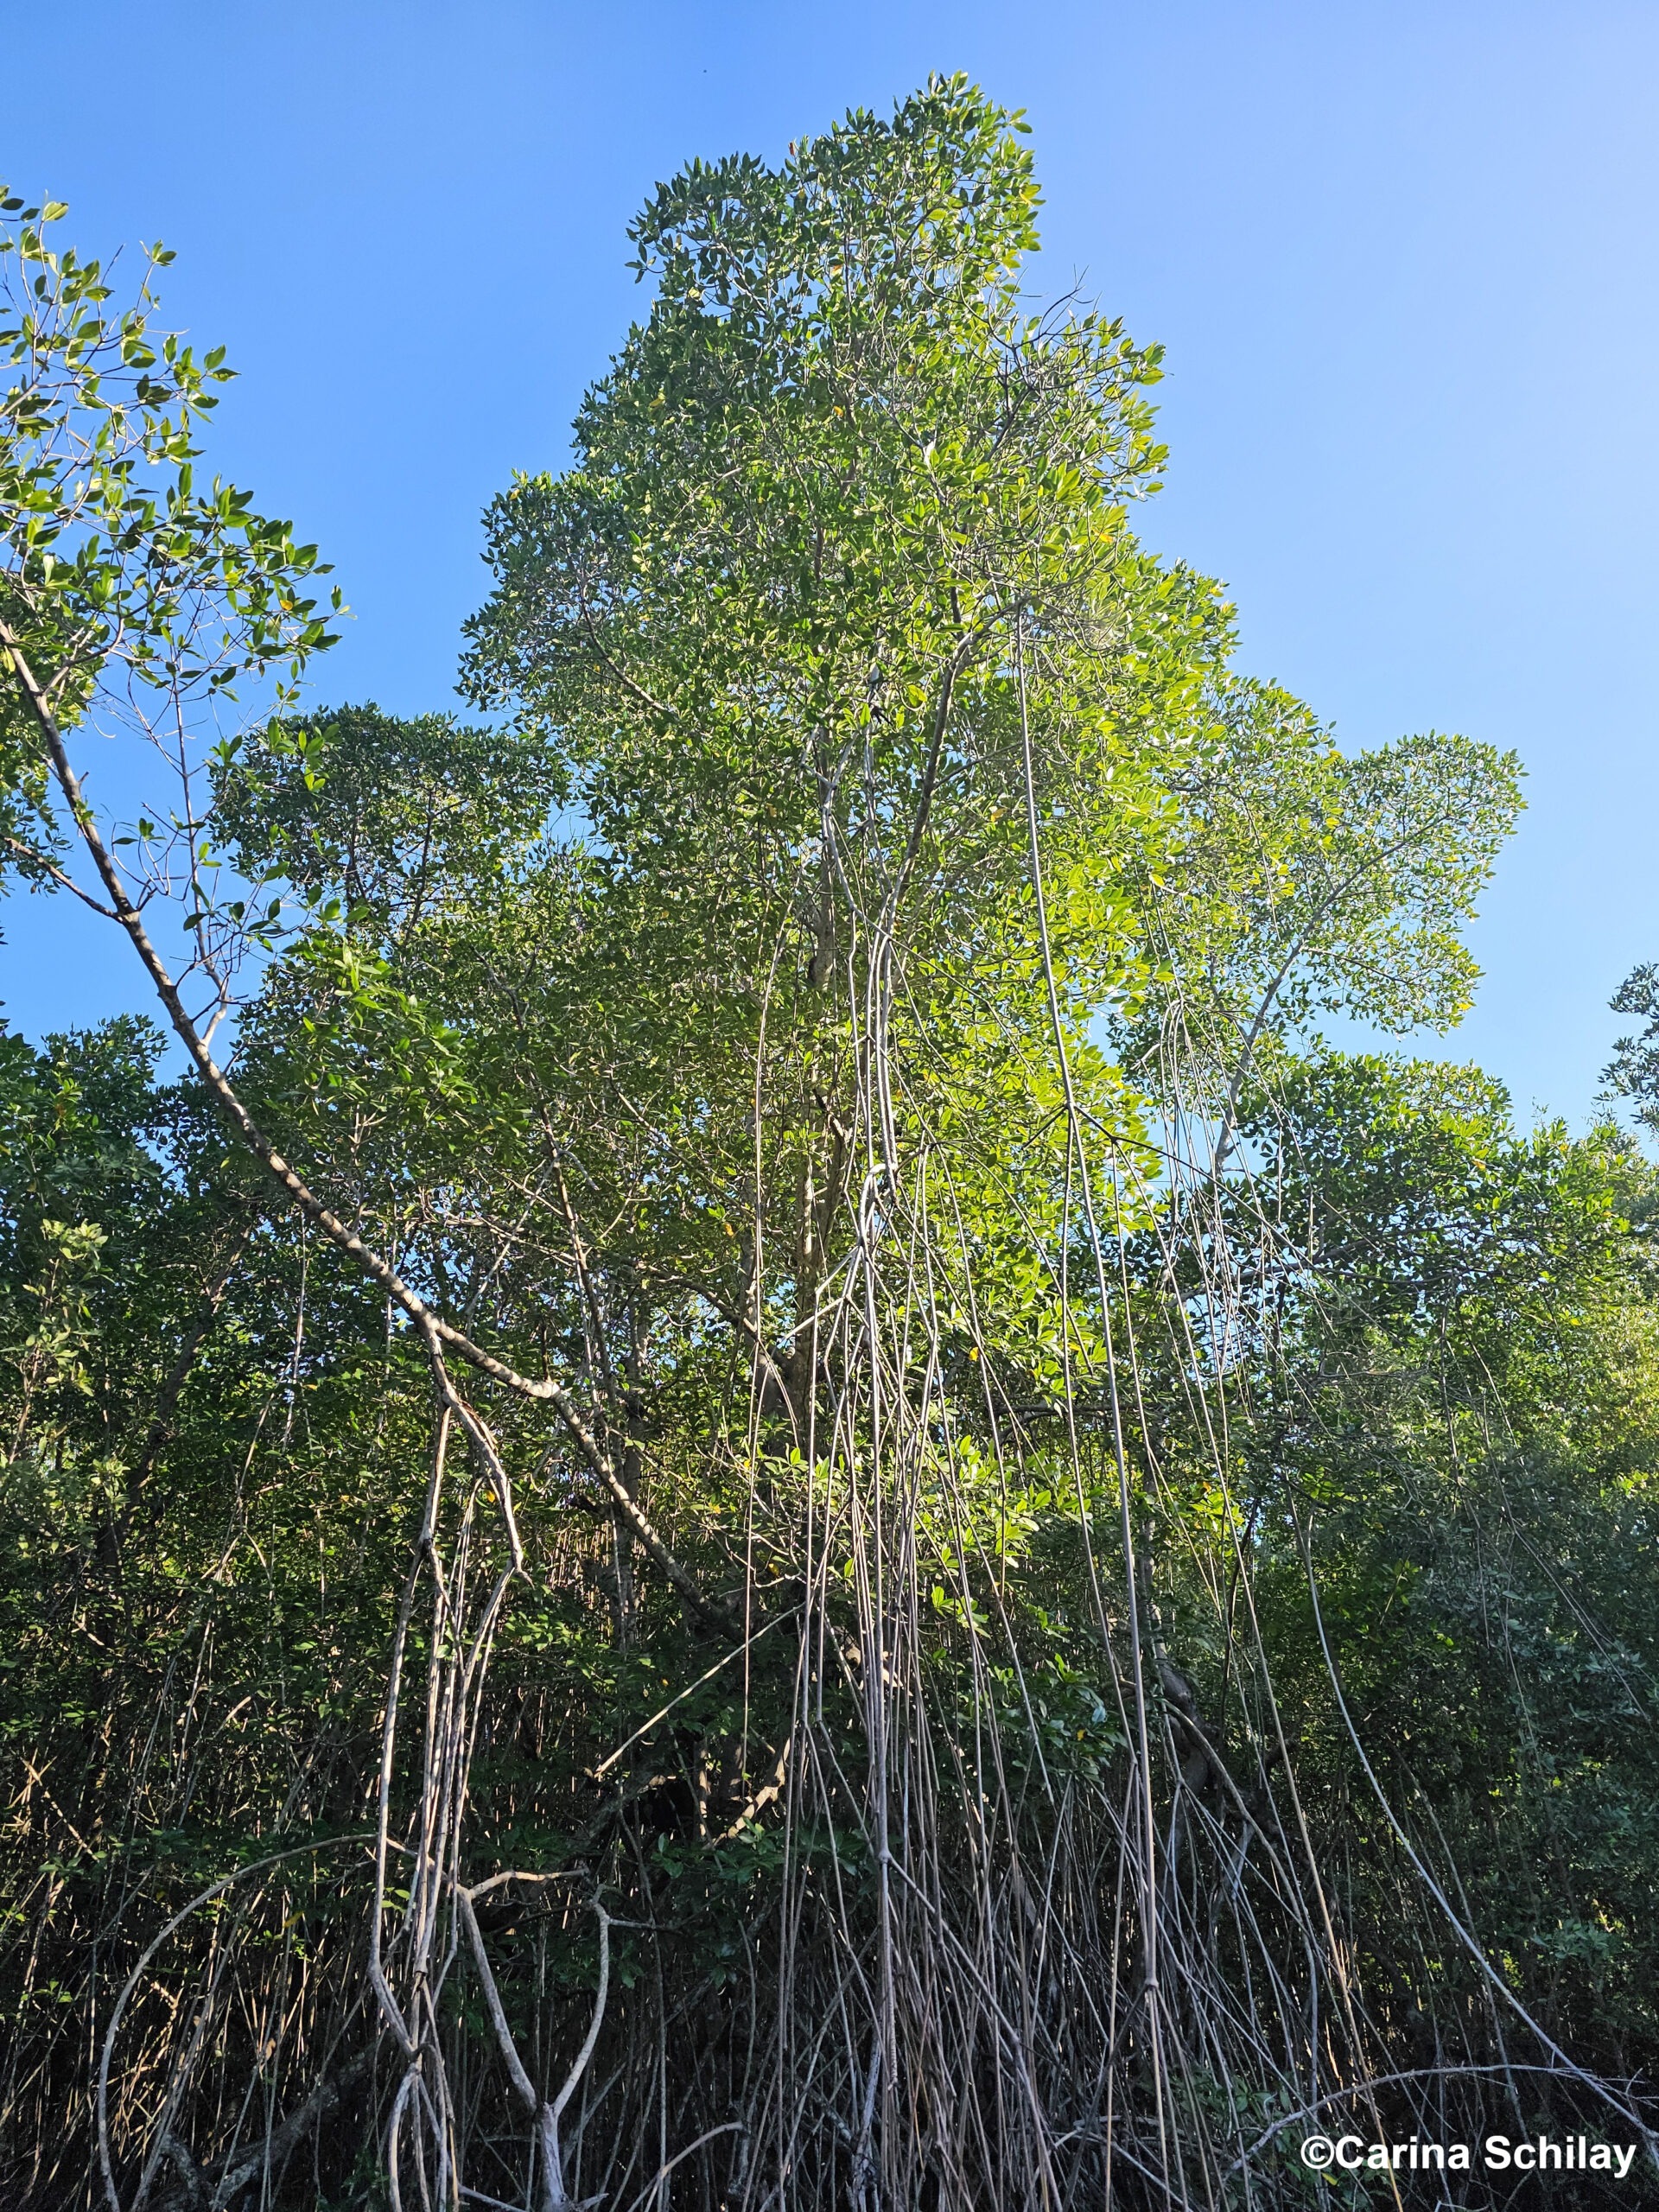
765	1488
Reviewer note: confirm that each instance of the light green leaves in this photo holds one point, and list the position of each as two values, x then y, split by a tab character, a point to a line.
1300	878
118	570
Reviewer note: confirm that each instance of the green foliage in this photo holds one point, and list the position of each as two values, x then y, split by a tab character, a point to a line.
1634	1070
1450	1429
1307	880
399	816
836	1038
131	593
111	549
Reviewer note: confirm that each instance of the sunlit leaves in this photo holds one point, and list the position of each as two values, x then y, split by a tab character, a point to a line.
119	570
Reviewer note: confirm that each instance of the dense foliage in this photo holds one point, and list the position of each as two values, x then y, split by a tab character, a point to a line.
781	1499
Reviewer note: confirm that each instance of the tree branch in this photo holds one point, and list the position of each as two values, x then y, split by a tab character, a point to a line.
64	882
344	1238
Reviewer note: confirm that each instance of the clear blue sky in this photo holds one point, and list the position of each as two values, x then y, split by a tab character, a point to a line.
1403	257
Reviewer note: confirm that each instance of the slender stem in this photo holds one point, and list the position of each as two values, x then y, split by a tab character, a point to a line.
544	1389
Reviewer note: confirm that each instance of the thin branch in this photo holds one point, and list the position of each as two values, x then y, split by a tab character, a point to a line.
64	882
544	1388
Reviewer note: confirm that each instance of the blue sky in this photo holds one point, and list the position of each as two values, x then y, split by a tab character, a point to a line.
1403	257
